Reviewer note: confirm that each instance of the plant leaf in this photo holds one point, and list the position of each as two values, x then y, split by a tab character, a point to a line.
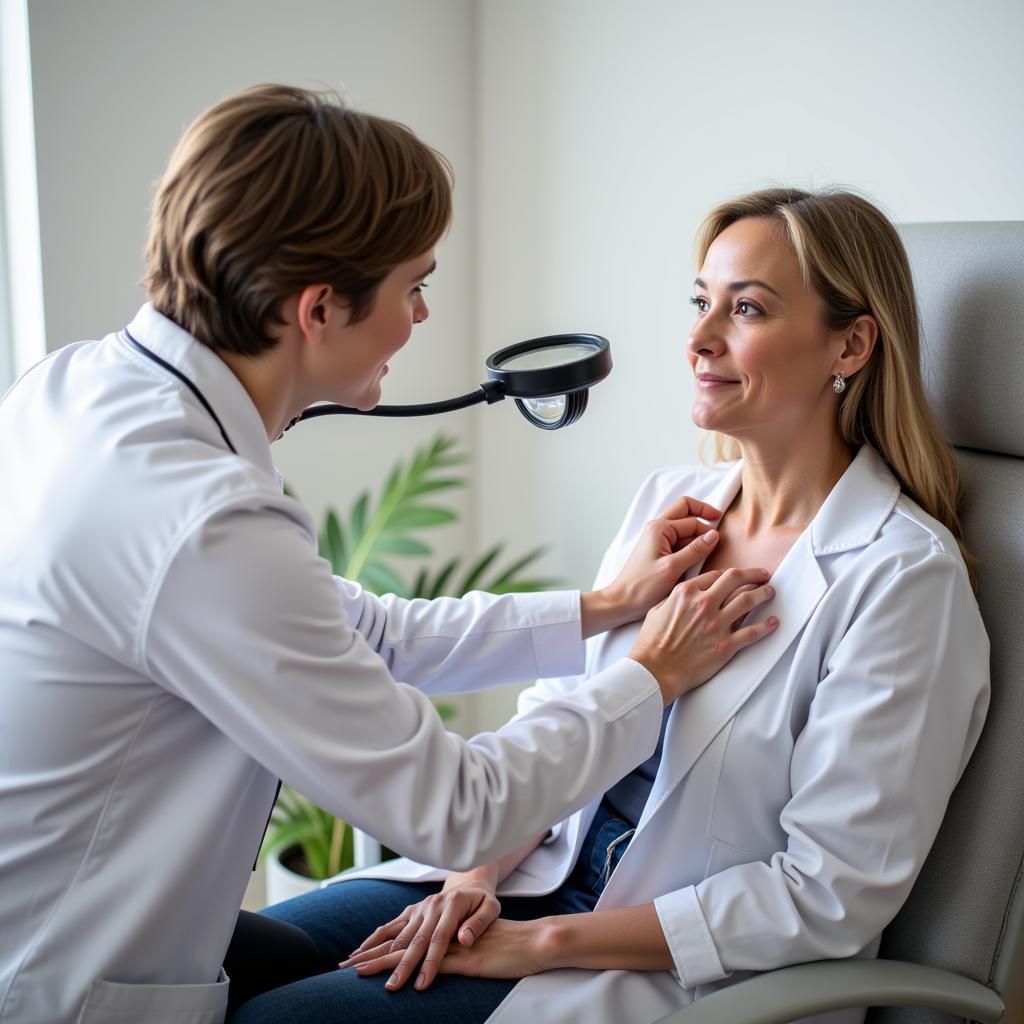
437	588
394	477
524	586
430	486
419	588
332	542
517	567
418	517
341	847
476	573
357	517
390	544
382	579
444	711
396	513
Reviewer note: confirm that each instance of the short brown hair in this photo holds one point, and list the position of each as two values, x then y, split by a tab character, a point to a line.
277	188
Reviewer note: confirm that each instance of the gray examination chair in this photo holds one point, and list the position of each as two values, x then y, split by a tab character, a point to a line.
956	949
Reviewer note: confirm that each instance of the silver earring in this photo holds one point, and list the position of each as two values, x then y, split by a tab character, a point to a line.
839	384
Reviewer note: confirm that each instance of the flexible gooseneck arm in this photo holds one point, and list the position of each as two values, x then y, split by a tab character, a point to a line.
490	391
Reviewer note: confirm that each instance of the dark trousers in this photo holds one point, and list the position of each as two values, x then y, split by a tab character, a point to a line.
265	954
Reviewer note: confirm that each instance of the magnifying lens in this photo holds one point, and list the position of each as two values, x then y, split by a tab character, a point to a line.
549	378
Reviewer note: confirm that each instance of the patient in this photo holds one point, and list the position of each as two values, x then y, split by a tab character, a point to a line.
791	803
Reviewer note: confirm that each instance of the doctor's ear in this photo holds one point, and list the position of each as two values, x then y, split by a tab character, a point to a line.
859	342
318	308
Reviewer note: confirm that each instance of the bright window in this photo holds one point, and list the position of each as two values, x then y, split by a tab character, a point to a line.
22	331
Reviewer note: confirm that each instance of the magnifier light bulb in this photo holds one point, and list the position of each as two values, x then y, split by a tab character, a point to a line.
549	410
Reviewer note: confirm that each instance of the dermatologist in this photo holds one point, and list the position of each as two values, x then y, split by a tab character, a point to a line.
172	644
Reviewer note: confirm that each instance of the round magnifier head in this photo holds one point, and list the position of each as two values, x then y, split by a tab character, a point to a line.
559	364
557	411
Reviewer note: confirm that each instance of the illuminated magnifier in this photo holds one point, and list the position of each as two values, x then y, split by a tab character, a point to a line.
549	378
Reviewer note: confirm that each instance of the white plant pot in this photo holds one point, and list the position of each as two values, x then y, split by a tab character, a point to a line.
284	884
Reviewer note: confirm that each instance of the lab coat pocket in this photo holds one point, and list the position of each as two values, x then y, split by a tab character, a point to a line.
722	857
751	789
115	1002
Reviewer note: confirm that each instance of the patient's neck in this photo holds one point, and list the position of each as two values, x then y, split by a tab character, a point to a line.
784	485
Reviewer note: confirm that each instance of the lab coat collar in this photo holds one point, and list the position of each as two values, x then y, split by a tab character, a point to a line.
858	505
850	517
218	384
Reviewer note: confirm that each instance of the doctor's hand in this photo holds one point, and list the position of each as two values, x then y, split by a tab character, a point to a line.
421	935
694	632
668	546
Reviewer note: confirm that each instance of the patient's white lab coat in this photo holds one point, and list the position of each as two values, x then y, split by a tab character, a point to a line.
170	644
801	787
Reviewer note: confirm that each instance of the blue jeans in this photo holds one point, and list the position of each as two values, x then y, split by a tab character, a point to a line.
340	917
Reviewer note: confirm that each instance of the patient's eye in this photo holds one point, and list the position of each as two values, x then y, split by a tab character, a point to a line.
747	308
700	302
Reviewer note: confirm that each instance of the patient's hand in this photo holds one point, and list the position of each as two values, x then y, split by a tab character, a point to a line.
425	930
687	638
668	546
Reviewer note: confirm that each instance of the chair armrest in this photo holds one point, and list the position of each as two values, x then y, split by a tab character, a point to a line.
779	997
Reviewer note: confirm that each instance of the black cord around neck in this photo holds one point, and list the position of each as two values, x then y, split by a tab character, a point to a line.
142	350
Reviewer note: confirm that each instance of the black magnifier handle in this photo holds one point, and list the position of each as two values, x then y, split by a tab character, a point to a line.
490	391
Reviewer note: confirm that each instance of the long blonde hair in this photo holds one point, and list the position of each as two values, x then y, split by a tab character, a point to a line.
850	253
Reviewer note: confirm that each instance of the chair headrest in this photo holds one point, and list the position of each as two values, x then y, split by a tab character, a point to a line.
969	278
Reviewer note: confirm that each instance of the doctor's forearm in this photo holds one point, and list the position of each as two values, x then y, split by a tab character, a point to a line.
601	610
630	939
492	874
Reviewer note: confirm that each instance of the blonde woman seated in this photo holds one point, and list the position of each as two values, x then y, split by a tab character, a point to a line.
792	801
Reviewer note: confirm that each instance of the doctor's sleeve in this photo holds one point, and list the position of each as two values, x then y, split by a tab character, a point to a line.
417	638
246	626
891	727
450	645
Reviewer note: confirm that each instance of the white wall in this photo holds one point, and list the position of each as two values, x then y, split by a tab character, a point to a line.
607	130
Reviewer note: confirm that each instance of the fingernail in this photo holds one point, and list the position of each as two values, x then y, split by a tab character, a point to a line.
773	621
711	536
392	981
770	591
764	572
467	934
421	981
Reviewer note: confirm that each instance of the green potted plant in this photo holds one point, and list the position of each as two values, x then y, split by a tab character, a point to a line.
304	843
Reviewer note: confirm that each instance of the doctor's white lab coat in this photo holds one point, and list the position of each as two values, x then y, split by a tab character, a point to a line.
170	644
800	788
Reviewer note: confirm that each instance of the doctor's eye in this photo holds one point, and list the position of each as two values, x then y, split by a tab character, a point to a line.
747	308
418	290
700	302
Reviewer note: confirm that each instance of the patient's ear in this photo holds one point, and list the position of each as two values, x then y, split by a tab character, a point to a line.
859	342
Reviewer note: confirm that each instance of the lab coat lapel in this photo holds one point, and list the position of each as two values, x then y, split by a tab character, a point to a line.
699	716
850	517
